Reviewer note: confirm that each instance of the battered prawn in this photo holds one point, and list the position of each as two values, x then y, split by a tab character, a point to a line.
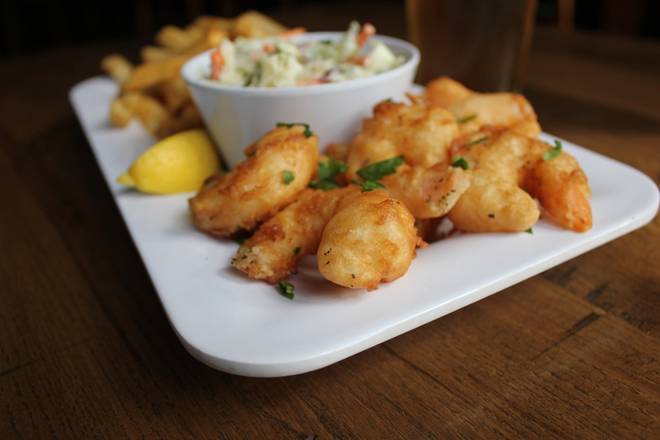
428	192
279	166
475	111
563	190
420	133
370	239
508	171
274	250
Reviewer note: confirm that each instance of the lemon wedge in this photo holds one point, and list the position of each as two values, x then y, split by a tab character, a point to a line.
178	163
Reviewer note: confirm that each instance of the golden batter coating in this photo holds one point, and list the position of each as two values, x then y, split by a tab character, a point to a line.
279	166
274	250
475	111
508	171
428	192
370	239
420	133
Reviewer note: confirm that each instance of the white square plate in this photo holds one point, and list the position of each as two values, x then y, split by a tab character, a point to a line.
245	327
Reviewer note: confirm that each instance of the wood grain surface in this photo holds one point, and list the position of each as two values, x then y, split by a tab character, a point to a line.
87	351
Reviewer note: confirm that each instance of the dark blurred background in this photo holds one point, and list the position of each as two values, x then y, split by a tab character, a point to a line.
30	26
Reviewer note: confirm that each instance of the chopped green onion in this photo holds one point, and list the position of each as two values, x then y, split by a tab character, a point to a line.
325	185
286	289
307	132
378	170
370	185
327	172
287	177
460	162
553	152
467	118
477	141
296	250
530	231
330	168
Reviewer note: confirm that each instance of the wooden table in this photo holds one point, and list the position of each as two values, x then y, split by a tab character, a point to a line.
87	351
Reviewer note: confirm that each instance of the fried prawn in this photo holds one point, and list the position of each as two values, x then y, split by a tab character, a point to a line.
420	133
274	250
279	166
475	111
428	192
370	239
508	171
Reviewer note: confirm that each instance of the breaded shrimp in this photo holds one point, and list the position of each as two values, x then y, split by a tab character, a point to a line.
475	111
492	205
420	133
563	190
428	192
279	166
510	169
444	91
370	239
274	250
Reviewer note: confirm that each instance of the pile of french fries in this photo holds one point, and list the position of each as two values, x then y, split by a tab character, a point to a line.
153	91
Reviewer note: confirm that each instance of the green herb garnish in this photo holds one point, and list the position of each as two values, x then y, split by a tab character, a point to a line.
477	141
460	162
378	170
328	170
553	151
466	118
530	231
287	177
286	289
325	185
307	132
370	185
296	250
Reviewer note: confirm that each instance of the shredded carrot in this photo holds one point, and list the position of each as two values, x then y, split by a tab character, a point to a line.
360	61
293	32
216	63
313	82
368	30
269	48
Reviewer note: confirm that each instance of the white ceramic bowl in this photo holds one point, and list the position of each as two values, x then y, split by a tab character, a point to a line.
237	116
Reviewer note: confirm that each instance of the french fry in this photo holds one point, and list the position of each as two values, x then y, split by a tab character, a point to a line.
210	22
154	91
175	94
178	39
150	74
187	119
211	39
190	117
151	113
117	66
121	112
154	53
253	24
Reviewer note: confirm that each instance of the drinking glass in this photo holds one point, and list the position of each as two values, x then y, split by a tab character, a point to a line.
482	43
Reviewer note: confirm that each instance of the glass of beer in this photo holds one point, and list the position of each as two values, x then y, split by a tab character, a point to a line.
481	43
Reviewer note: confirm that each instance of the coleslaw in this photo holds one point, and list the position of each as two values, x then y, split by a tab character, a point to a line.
282	62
